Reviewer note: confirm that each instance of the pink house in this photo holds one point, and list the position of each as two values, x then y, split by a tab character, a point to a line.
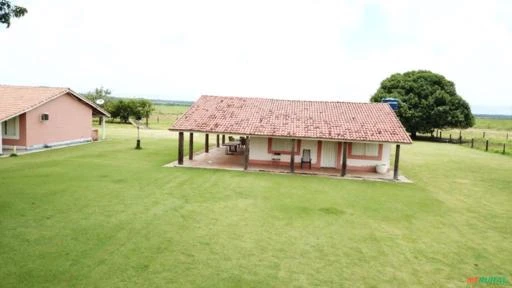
38	117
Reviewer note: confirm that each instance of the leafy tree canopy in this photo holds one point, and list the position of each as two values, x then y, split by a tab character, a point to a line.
427	101
8	11
99	93
122	109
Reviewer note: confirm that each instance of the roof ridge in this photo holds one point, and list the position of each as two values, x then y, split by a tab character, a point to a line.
291	100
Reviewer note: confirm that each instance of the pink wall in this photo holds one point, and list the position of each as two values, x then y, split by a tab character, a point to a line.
23	134
70	119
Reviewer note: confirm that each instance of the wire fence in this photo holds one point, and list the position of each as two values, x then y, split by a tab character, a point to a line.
482	141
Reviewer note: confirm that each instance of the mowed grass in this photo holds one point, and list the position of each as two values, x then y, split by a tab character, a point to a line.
106	215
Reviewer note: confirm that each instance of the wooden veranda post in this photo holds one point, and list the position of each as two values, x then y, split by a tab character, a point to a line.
206	143
246	154
344	159
218	141
292	157
191	146
397	161
180	148
223	139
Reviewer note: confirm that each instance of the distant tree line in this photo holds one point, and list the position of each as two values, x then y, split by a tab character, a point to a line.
122	109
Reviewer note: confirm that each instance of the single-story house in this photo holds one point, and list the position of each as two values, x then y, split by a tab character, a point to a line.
339	135
37	117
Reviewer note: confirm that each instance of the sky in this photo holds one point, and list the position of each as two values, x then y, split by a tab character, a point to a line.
312	50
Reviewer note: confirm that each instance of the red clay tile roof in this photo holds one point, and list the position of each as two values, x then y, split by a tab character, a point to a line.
363	122
16	100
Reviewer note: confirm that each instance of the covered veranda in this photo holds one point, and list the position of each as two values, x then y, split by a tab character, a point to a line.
221	154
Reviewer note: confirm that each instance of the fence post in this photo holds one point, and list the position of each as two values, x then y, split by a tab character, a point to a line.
440	134
460	139
472	142
450	138
503	148
483	135
486	145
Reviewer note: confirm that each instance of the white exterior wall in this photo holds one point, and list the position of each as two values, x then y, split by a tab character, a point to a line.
259	151
386	149
311	145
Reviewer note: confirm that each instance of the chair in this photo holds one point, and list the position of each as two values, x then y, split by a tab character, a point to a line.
306	158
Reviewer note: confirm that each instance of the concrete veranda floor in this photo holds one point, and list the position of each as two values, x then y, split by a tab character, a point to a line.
217	159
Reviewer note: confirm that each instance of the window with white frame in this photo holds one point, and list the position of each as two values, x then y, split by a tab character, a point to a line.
11	128
365	149
280	145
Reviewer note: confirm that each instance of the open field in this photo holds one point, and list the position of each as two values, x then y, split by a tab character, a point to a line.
162	117
165	115
106	215
496	131
494	124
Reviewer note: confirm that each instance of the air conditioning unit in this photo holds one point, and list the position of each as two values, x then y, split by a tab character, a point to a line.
45	117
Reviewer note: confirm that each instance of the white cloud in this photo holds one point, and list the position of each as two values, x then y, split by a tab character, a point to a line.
289	49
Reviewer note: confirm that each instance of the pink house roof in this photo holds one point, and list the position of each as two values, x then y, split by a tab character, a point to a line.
340	121
16	100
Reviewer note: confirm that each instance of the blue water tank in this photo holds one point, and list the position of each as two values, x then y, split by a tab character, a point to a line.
393	102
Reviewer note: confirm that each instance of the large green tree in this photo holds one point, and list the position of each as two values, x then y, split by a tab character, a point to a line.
8	11
99	93
427	101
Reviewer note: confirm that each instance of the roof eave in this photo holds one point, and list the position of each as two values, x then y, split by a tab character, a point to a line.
63	92
288	137
87	101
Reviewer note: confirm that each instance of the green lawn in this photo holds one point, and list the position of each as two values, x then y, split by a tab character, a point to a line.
106	215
